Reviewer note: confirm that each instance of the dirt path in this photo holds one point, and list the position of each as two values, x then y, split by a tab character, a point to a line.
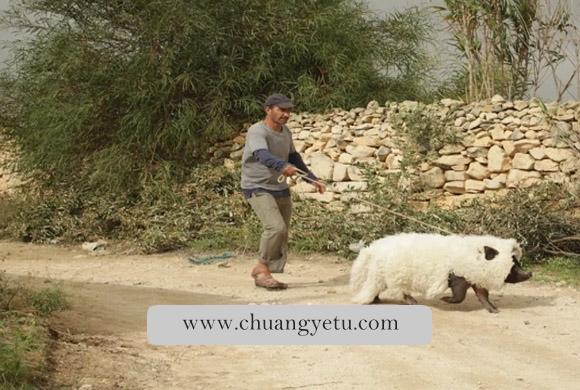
534	342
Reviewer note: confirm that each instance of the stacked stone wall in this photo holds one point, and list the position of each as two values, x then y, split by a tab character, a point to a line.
499	145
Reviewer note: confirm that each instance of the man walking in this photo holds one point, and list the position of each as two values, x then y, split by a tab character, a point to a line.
269	157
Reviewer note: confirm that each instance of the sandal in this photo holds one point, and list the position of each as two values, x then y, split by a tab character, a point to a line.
268	282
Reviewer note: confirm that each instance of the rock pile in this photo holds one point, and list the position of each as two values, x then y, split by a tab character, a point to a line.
500	145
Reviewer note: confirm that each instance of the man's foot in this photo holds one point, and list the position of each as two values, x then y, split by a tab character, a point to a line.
268	282
263	278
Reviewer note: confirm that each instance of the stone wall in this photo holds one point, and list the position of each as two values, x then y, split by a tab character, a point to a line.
500	145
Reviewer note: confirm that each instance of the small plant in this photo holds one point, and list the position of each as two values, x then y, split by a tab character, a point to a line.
24	338
558	269
48	300
425	127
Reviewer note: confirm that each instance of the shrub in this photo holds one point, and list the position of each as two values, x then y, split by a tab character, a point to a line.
109	96
211	213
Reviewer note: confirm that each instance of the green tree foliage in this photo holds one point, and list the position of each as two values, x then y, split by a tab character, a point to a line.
119	92
507	44
494	36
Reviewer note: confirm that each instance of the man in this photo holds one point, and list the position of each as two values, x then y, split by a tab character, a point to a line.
269	157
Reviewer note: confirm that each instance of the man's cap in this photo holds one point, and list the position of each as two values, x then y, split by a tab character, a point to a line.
279	100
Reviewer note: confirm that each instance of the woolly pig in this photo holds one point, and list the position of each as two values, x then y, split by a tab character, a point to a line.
431	263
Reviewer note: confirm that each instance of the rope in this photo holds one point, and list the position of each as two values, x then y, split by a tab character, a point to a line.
209	259
304	176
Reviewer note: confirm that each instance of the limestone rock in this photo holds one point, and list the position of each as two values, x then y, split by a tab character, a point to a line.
557	177
322	166
393	161
558	154
519	178
493	184
451	149
346	158
530	134
455	176
483	142
360	151
373	142
354	173
455	187
523	161
451	102
475	124
474	186
498	133
538	153
524	145
340	172
546	165
451	160
477	171
303	187
509	147
300	146
498	161
383	152
516	135
433	178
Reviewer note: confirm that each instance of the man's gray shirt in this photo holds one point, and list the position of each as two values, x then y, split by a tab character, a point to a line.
279	144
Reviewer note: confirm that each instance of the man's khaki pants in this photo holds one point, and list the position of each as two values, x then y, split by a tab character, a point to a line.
274	213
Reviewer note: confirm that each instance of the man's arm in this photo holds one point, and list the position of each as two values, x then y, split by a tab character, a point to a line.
287	168
296	159
269	160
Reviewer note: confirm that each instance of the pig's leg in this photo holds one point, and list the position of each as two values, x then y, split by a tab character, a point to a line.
483	296
459	287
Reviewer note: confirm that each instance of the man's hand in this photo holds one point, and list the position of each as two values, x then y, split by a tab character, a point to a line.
319	187
289	170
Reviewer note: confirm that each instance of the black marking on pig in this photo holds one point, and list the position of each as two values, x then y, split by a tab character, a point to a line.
490	253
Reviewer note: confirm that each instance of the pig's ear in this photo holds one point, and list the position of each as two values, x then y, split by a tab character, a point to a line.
490	253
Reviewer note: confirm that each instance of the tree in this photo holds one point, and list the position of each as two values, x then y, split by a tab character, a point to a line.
494	37
509	44
113	91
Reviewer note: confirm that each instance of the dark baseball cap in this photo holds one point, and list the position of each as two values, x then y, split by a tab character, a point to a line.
279	100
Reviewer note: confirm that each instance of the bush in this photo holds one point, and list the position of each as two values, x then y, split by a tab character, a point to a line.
211	213
48	300
24	340
110	96
425	127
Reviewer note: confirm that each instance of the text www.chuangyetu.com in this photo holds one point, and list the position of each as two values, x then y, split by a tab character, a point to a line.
302	327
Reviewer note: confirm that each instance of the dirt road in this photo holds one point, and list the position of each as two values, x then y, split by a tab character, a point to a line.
533	343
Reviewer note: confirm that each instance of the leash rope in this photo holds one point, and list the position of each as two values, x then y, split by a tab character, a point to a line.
304	176
209	259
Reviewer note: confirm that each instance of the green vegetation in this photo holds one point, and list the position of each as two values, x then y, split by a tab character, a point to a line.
24	340
508	46
114	95
426	129
210	213
563	270
112	108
